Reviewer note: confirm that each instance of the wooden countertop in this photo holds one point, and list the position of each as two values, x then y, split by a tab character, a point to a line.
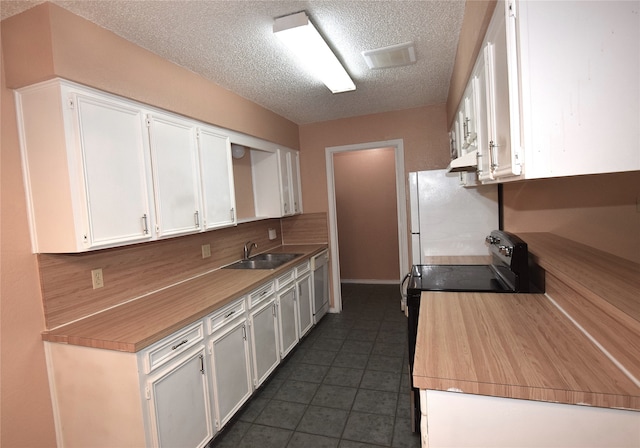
139	323
513	346
524	346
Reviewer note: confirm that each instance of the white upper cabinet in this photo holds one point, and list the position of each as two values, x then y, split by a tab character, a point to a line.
104	171
276	182
479	82
176	178
217	179
293	158
580	64
289	166
85	161
562	91
502	149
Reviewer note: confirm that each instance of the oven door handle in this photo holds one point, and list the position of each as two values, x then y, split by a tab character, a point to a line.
403	291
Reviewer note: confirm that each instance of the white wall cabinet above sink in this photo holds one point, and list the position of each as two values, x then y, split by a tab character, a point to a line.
102	171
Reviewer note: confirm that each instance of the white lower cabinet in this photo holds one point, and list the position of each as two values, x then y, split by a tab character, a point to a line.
263	322
178	403
181	390
231	369
305	310
287	319
304	294
452	419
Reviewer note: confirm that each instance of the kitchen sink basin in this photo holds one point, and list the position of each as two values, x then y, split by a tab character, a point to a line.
263	261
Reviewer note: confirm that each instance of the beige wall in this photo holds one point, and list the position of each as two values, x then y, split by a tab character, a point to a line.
27	416
599	210
366	209
423	131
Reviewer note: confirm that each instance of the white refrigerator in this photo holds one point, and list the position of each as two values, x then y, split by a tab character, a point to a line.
447	218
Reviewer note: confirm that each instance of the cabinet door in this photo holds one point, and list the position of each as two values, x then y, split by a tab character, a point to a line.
175	175
296	196
502	94
264	341
305	311
179	404
479	78
217	179
285	180
231	370
287	320
469	118
113	144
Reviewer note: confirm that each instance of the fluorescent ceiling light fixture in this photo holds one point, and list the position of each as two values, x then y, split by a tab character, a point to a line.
392	56
303	39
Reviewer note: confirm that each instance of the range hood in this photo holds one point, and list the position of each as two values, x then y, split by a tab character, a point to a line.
468	162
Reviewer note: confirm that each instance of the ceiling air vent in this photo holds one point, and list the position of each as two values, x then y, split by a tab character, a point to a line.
392	56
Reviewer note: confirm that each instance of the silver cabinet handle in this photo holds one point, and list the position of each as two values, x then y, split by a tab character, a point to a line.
197	218
230	314
233	214
145	224
178	345
201	364
244	332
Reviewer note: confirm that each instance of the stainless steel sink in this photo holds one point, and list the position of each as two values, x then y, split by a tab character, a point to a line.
263	261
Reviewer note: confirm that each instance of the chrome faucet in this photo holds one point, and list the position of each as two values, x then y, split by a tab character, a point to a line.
248	246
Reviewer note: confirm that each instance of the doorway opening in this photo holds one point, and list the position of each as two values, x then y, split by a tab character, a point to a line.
353	196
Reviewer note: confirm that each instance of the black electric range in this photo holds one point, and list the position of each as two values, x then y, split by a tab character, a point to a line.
513	270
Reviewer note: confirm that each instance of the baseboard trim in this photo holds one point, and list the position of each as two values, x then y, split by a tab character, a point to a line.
370	282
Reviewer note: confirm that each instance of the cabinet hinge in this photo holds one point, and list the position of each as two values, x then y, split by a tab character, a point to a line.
71	103
147	393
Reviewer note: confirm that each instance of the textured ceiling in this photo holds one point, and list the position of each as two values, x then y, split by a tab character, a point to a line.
232	44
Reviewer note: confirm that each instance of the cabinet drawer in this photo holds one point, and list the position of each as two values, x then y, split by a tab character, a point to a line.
170	347
260	294
226	314
303	268
285	279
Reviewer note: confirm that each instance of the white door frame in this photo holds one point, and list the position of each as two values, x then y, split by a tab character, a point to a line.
403	242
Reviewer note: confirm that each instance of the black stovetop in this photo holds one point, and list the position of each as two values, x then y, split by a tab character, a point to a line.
463	278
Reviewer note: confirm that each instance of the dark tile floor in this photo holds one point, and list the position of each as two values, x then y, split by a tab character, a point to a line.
346	384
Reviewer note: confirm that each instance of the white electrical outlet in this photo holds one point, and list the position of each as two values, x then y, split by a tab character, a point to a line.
97	279
272	234
206	251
